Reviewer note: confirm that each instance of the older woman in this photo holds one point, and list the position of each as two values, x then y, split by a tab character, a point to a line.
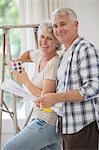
41	132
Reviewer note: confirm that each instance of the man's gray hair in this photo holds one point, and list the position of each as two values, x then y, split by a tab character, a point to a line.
64	11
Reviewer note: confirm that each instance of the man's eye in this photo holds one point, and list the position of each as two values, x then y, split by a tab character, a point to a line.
63	24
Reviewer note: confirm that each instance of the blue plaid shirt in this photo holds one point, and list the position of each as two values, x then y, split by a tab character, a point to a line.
80	70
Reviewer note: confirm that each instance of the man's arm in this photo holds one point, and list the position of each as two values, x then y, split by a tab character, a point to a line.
50	99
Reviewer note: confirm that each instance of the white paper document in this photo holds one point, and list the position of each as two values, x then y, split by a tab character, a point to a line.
14	88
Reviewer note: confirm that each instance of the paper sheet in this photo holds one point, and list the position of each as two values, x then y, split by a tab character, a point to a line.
14	88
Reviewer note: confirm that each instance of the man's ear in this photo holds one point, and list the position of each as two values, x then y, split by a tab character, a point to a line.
76	23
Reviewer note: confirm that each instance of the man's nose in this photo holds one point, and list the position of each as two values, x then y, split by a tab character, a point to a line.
59	29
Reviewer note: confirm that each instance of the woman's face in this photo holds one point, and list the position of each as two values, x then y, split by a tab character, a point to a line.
47	41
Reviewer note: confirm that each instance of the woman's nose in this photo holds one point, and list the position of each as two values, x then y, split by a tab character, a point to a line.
44	41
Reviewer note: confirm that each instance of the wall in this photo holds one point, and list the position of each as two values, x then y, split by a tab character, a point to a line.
88	15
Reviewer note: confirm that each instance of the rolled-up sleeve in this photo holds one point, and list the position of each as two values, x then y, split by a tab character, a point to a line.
89	72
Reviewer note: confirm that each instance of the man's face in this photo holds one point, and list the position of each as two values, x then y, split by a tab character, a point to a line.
64	29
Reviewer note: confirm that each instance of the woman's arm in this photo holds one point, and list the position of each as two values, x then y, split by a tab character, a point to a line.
25	57
23	79
49	86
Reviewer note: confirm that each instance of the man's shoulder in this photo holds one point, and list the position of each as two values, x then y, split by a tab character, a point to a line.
86	43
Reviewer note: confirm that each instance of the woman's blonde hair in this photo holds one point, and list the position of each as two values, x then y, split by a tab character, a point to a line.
48	27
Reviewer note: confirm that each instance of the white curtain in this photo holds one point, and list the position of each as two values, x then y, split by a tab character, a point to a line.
34	12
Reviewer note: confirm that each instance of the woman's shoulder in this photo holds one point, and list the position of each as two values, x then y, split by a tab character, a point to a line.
55	59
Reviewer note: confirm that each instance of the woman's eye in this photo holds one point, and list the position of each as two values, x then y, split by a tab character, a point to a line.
49	38
54	26
42	36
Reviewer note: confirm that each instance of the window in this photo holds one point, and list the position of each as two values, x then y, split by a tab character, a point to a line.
9	15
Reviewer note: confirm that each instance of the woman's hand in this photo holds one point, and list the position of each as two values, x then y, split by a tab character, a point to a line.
20	77
14	64
47	100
